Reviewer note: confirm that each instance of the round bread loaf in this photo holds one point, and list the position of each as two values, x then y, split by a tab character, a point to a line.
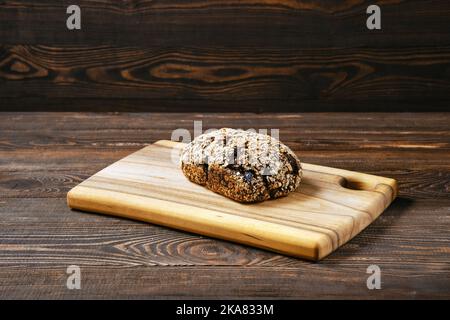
242	165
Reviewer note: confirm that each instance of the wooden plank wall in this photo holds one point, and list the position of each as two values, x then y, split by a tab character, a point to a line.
225	55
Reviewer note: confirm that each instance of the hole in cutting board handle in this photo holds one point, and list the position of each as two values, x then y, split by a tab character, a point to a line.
355	185
365	182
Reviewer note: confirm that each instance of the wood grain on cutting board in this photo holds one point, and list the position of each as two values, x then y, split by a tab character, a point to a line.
330	207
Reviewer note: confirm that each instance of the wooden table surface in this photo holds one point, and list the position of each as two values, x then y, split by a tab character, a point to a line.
43	155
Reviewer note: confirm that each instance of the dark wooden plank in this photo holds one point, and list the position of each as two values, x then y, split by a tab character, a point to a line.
79	160
423	138
46	154
50	224
126	259
37	104
376	123
277	79
299	24
413	183
225	55
219	283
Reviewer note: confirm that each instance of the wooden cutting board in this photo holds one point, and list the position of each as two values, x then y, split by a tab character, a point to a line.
330	207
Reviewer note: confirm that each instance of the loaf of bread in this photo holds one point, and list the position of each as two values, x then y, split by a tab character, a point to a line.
242	165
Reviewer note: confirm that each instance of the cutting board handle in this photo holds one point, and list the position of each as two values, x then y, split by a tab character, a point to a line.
359	181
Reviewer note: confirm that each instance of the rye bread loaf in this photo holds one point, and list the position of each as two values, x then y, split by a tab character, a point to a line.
242	165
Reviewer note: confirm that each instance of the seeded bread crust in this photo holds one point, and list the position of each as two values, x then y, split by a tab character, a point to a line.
242	165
